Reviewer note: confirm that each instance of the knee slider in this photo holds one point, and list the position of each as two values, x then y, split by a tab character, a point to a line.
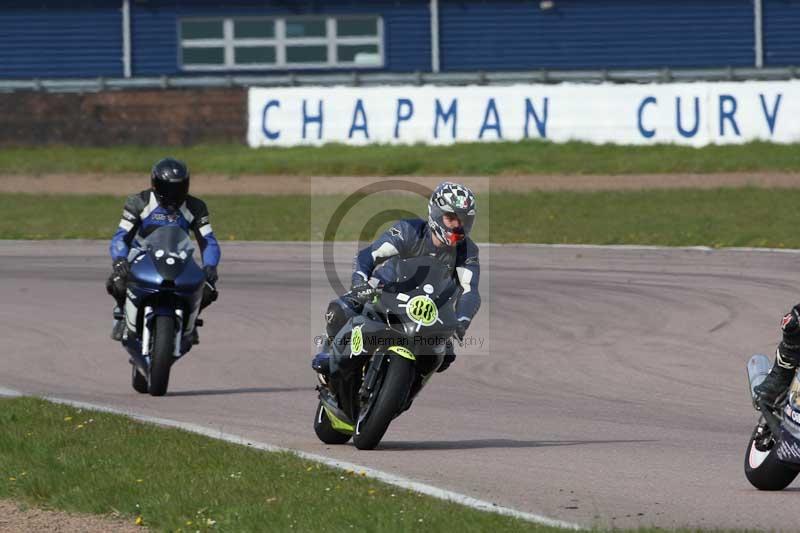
116	287
209	295
335	318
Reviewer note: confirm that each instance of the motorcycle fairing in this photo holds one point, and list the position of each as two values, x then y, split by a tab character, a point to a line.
164	277
788	447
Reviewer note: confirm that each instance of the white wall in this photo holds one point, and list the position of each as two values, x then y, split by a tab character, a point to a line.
710	113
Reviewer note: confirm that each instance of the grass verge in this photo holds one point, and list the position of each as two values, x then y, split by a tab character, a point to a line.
170	480
468	159
722	217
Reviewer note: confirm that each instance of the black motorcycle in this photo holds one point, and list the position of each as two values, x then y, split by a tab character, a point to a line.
383	357
772	460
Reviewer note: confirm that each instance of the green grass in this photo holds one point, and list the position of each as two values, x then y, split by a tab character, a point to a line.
84	461
96	217
475	159
721	217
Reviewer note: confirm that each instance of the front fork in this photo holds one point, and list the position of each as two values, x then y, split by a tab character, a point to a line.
147	326
372	379
378	360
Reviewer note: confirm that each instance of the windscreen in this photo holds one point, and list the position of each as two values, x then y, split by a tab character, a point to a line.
171	240
428	273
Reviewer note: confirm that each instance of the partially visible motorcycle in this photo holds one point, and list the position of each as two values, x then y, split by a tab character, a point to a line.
772	460
163	297
383	358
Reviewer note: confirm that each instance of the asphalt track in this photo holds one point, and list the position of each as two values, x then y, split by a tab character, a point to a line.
610	389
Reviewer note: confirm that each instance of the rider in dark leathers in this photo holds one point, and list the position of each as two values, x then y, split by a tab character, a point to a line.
166	203
787	359
445	235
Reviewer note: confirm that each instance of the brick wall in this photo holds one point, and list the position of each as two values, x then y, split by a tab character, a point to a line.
140	117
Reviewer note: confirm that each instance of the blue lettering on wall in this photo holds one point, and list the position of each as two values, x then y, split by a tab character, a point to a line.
408	105
311	119
541	124
645	132
727	110
269	133
684	132
491	109
356	125
771	117
452	111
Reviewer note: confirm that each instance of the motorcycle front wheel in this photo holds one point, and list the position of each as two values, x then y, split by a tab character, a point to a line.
162	355
391	398
761	465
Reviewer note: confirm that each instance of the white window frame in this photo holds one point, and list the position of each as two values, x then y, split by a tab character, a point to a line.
228	43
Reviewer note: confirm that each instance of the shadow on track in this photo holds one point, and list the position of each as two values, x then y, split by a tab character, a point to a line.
246	390
494	443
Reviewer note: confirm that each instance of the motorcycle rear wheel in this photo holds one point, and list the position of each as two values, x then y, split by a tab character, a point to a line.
764	470
162	355
392	397
324	429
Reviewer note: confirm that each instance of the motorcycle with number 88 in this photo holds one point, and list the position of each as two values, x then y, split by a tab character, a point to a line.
382	358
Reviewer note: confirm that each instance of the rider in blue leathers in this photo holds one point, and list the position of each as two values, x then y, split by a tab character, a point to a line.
167	202
445	235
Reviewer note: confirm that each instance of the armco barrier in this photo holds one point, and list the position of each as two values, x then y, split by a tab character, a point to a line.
694	114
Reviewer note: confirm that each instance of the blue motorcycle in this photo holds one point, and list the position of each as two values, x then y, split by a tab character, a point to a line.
163	297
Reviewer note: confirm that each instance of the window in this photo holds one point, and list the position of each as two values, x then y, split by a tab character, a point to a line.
257	43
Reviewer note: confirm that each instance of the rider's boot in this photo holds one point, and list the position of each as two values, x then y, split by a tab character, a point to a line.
321	362
119	324
449	357
194	336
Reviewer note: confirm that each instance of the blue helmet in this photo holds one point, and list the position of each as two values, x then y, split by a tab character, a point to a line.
452	198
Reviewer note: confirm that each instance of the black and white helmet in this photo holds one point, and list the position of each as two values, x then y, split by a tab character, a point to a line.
453	198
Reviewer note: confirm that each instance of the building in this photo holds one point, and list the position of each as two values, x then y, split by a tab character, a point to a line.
146	38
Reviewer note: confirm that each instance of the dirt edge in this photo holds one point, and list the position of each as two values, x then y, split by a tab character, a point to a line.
285	185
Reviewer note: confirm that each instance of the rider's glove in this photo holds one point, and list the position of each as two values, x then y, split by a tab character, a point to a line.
789	348
211	274
366	290
122	268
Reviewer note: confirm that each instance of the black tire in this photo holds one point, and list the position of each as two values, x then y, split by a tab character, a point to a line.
324	429
161	356
392	397
138	381
763	469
